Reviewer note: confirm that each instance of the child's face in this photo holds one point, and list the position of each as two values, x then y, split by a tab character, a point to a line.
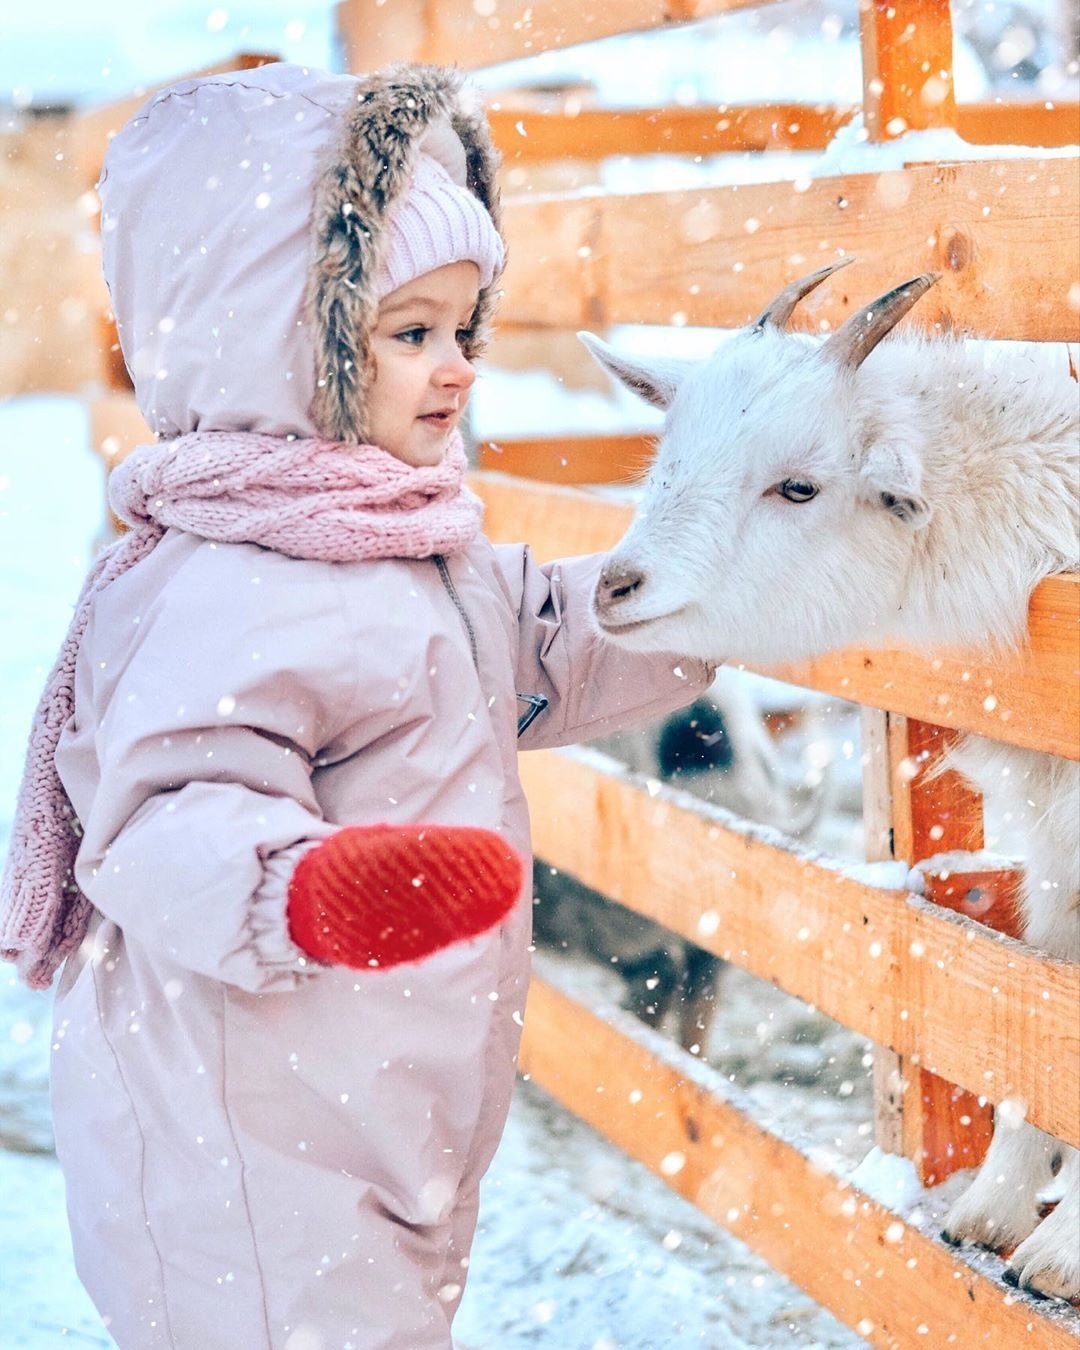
422	380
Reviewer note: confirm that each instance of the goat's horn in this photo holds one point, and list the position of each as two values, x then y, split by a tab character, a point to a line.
780	310
857	337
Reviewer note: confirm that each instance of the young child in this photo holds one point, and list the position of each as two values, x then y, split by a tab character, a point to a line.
284	725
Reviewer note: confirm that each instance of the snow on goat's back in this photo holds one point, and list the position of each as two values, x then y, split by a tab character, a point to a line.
801	500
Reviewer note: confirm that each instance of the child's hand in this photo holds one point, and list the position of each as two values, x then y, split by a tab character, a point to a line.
377	895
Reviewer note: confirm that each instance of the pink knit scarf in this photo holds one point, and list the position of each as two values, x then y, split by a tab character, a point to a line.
306	499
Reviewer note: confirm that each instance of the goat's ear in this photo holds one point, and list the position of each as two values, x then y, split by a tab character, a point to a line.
891	477
655	380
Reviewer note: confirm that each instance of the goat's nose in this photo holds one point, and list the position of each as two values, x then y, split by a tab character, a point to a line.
617	583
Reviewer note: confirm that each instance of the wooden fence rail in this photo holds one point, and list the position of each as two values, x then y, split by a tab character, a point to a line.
580	261
895	968
472	33
529	134
879	1275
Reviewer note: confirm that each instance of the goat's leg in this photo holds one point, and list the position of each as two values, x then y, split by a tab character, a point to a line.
1000	1207
651	982
1048	1262
697	997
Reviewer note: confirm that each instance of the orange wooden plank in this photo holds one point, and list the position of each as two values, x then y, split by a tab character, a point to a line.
470	34
879	844
570	460
895	968
907	59
992	897
49	293
117	427
1006	123
558	521
526	134
1030	697
892	1284
942	1127
578	262
114	369
372	33
933	811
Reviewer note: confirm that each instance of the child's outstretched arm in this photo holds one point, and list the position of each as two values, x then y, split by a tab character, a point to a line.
205	840
591	686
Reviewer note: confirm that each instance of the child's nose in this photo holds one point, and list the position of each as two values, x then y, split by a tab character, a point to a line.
455	372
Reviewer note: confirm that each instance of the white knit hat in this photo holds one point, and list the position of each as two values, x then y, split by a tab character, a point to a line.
435	223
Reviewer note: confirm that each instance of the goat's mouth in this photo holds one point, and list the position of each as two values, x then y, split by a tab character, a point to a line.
616	629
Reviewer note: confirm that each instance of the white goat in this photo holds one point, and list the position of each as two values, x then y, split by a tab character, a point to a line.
808	494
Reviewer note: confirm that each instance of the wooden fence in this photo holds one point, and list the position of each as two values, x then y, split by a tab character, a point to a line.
914	975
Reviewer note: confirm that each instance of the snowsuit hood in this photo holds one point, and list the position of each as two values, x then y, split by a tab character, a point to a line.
243	224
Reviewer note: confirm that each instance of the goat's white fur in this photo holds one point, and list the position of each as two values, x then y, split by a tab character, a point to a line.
947	482
976	451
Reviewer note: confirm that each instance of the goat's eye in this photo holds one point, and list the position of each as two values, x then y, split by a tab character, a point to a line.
795	490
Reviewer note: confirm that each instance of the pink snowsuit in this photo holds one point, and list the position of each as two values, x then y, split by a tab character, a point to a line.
261	1152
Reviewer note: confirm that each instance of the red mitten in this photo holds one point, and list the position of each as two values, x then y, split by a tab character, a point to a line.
378	895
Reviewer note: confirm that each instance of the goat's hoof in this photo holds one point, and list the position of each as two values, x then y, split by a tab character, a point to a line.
1011	1276
992	1224
1031	1290
1047	1281
1047	1264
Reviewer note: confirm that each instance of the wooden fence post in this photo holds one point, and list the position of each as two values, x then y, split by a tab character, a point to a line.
375	33
877	826
907	66
913	811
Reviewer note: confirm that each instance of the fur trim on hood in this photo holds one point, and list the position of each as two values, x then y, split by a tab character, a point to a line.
243	224
357	190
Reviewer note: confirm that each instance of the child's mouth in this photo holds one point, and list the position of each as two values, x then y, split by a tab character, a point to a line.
441	421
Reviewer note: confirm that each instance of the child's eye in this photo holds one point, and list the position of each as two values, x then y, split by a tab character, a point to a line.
414	337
